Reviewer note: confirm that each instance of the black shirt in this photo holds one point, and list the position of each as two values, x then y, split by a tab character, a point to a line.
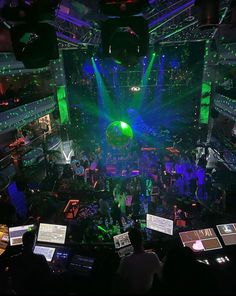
29	273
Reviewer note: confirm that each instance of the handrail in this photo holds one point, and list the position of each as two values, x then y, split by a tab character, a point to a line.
29	145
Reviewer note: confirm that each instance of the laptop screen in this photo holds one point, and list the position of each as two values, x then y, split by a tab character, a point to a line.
52	233
228	233
121	240
16	233
47	252
160	224
200	240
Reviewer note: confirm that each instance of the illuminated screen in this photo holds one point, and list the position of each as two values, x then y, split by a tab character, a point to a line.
52	233
228	233
16	233
200	240
160	224
47	252
121	240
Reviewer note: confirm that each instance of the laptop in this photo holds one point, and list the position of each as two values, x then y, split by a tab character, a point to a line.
16	233
47	252
122	244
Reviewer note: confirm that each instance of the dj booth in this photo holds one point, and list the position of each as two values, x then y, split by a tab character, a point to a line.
213	246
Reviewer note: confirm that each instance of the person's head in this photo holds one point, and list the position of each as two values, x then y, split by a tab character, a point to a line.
28	240
136	238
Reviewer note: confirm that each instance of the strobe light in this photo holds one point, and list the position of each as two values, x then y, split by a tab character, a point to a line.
125	39
122	7
208	13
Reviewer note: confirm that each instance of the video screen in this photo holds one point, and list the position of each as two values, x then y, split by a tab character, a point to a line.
16	233
160	224
200	240
52	233
228	233
47	252
121	240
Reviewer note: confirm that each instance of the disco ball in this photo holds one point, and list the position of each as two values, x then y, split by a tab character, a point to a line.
119	134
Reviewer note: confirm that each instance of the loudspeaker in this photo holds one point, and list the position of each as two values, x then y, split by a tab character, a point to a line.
111	27
34	44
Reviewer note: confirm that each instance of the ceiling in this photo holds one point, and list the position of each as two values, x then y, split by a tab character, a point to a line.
170	21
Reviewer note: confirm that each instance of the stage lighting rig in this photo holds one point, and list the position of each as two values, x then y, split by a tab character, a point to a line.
123	7
124	38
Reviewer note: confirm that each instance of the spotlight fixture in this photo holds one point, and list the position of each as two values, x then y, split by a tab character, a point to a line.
34	44
125	39
125	36
33	37
135	88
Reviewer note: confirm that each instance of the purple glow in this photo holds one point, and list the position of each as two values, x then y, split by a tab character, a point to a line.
67	38
73	20
173	12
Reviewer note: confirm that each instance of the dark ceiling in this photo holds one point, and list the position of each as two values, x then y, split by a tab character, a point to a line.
78	22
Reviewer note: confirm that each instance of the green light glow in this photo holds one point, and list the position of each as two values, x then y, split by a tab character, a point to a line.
124	125
62	103
119	133
102	229
206	91
205	102
107	108
146	75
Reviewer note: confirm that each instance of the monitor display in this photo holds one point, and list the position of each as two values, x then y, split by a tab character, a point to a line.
121	240
228	233
47	252
200	240
16	233
160	224
52	233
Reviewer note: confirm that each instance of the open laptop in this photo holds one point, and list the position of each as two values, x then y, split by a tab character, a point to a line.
122	244
52	233
47	252
16	233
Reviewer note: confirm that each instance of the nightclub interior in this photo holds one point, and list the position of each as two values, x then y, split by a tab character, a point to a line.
117	147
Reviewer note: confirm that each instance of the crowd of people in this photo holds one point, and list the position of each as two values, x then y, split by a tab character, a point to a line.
159	179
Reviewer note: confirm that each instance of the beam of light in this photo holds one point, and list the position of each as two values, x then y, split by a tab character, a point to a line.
160	82
105	104
102	229
144	83
62	103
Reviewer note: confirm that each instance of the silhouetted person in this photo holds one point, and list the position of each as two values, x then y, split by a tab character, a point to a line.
8	214
136	272
29	272
182	274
